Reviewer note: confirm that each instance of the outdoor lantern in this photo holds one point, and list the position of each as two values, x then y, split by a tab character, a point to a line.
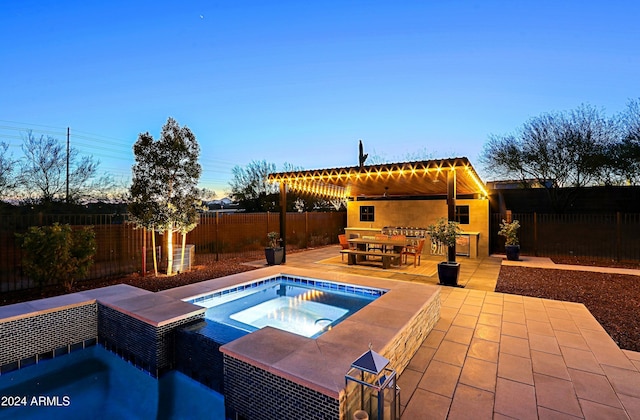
371	388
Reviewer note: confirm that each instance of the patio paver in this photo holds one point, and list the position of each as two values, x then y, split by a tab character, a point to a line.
500	356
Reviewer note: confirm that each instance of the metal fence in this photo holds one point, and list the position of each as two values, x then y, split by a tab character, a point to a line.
119	244
611	236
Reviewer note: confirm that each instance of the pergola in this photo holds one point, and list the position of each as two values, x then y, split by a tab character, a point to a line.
445	178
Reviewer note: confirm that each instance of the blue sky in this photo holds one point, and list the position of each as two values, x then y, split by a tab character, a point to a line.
301	82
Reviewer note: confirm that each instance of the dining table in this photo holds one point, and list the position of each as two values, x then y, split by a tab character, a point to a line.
394	245
388	243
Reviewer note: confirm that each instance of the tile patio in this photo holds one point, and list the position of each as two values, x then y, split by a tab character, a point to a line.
502	356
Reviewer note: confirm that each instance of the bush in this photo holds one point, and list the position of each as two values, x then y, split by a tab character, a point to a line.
444	231
510	232
57	253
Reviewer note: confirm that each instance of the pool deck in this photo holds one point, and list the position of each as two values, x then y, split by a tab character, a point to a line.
501	356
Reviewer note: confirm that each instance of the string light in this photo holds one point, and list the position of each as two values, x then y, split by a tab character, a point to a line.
324	182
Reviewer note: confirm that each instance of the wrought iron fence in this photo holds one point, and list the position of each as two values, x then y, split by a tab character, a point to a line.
120	245
611	236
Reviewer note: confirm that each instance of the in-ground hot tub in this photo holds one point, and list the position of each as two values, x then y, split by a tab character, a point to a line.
301	305
272	373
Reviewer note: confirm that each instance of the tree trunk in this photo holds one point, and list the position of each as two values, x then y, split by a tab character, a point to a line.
155	257
169	251
184	244
144	251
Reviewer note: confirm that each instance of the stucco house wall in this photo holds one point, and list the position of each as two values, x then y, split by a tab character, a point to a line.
421	213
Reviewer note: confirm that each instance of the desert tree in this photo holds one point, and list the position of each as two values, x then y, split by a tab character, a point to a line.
7	173
626	154
562	151
42	176
207	194
164	193
251	188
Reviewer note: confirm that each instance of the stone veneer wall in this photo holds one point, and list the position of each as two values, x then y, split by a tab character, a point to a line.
146	346
408	341
45	335
400	351
253	393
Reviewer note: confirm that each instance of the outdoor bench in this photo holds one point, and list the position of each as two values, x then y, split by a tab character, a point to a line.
358	255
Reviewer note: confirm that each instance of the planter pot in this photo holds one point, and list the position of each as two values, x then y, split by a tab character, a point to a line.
448	273
513	252
274	255
360	415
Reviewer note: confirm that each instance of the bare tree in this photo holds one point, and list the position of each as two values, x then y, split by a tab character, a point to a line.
207	194
43	172
627	153
251	188
561	151
7	175
254	193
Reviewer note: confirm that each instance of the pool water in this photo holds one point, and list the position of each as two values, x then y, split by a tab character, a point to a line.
303	309
94	383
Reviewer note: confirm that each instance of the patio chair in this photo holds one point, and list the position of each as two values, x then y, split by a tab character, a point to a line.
343	243
415	251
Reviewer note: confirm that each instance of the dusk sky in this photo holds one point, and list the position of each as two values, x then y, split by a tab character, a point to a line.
302	81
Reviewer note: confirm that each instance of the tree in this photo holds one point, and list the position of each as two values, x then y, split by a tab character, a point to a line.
143	209
251	188
57	253
164	194
627	153
561	151
43	172
7	176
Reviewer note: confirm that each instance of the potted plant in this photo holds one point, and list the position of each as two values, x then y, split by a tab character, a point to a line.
511	245
273	252
446	232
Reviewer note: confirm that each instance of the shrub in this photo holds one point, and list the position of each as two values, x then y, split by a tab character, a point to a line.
272	239
444	231
57	253
509	231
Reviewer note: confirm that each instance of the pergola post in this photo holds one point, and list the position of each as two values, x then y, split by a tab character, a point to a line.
283	219
451	206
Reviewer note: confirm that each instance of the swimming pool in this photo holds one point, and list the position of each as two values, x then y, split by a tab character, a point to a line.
95	383
303	306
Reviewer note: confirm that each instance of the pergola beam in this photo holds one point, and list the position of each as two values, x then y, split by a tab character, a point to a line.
451	207
283	220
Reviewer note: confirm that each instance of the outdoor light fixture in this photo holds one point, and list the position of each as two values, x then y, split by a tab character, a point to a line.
371	387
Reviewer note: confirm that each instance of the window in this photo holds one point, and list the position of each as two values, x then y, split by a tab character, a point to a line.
367	214
462	215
